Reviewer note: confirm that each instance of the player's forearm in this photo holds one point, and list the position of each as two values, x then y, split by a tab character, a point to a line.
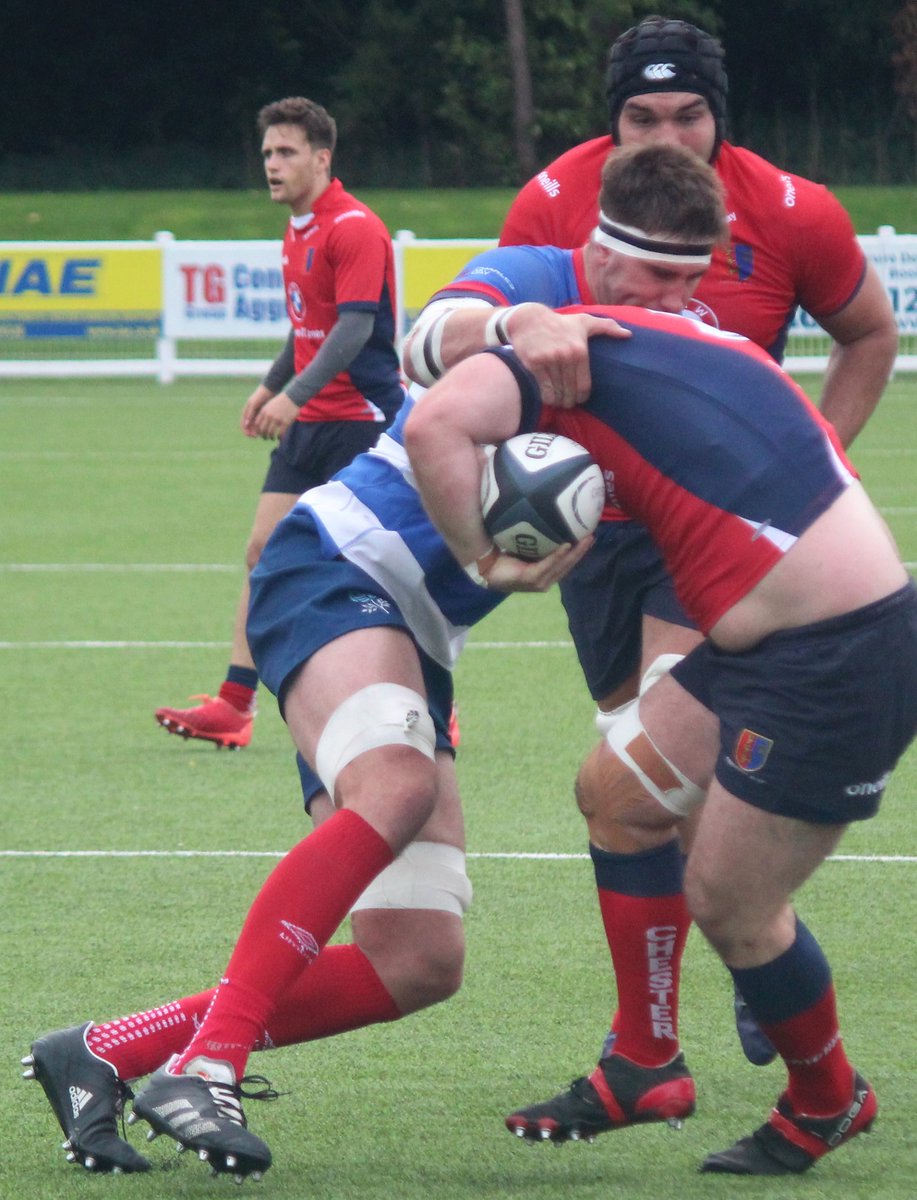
281	369
857	374
349	335
447	470
450	331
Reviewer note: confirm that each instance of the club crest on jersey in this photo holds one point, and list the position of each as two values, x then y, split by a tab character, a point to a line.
741	260
751	750
297	304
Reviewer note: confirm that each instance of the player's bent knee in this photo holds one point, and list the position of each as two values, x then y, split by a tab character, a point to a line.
381	714
409	922
425	875
636	767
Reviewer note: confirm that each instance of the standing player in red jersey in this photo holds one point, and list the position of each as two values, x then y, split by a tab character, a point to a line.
790	243
336	384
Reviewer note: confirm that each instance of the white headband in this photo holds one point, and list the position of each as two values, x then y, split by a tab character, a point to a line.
635	243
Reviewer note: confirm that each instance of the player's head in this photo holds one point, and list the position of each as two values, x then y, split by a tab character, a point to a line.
316	122
661	213
667	80
297	141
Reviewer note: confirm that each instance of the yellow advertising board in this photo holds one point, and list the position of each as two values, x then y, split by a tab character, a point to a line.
429	265
80	289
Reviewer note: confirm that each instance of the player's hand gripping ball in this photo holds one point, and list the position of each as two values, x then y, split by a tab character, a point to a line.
538	491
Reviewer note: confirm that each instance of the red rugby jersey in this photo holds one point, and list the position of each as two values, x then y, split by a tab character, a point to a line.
340	258
791	241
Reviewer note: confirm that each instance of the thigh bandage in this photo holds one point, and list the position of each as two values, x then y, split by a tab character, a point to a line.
428	875
382	714
623	731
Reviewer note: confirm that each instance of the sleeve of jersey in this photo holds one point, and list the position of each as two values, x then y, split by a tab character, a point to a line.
360	258
510	275
832	263
529	393
527	222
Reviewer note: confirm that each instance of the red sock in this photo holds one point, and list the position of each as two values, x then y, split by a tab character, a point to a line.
820	1074
301	904
646	923
792	998
142	1042
238	695
341	991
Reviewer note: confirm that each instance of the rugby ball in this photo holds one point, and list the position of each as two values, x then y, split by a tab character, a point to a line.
538	491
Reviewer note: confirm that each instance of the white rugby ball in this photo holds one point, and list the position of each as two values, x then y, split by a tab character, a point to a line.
538	491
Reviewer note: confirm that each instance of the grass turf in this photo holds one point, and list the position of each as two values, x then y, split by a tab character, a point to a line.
107	481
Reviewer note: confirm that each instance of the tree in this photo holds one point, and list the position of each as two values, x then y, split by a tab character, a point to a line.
523	104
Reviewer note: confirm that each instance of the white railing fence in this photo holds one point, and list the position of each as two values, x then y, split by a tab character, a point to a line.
168	308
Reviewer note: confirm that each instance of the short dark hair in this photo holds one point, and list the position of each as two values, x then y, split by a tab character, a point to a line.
665	191
316	123
660	55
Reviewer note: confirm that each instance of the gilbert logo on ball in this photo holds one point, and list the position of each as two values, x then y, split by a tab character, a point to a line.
538	491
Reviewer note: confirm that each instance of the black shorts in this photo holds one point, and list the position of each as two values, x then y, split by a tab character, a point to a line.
606	596
813	720
310	452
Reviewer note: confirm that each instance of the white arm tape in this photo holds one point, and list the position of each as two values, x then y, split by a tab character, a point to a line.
382	714
424	343
428	875
495	331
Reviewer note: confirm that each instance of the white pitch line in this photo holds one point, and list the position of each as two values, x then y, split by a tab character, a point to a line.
81	568
561	645
113	645
519	855
218	568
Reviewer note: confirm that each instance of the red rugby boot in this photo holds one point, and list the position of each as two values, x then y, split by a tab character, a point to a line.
213	721
789	1143
618	1093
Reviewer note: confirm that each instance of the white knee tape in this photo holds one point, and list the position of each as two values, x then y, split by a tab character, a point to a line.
658	667
382	714
427	875
624	729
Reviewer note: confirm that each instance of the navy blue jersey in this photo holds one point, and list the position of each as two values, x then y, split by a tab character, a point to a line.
708	444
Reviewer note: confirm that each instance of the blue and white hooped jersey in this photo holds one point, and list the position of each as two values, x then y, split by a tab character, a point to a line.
372	515
516	274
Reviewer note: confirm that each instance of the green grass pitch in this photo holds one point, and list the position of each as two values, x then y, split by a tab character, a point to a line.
125	510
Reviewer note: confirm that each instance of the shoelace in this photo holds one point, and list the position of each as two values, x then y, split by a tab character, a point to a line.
228	1097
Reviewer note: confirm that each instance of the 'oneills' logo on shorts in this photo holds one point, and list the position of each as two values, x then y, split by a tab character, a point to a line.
751	750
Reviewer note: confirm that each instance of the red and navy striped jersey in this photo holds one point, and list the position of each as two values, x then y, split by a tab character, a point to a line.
707	443
340	259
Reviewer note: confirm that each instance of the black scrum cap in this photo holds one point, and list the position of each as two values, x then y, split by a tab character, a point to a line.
659	55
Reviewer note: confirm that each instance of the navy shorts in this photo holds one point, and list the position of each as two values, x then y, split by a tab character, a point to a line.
301	600
606	596
310	452
813	720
